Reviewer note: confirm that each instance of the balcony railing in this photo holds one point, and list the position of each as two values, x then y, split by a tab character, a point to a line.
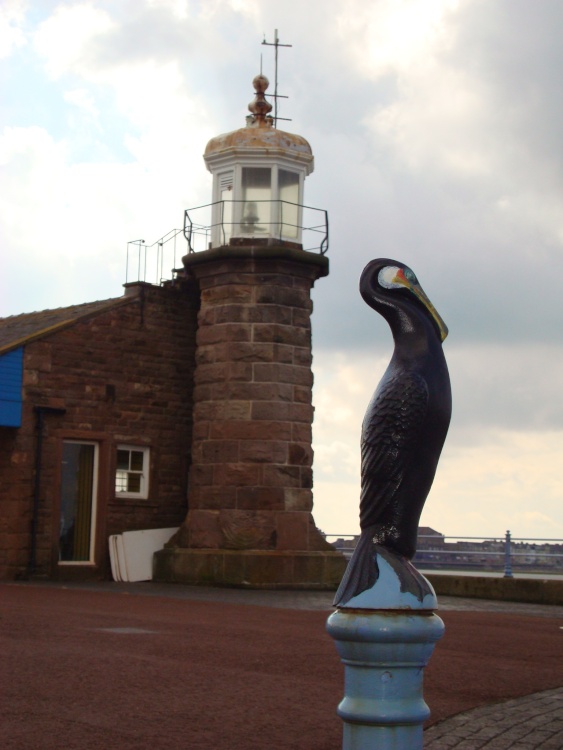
155	263
229	222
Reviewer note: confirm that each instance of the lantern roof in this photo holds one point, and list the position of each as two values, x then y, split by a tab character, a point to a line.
259	138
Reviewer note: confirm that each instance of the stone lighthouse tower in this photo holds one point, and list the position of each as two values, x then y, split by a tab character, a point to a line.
249	520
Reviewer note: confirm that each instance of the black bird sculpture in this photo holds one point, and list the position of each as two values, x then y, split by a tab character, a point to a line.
403	431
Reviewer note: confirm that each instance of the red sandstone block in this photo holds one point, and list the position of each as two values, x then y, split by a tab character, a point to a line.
237	475
207	316
281	373
219	451
275	295
212	353
249	430
306	477
295	499
214	498
263	451
281	476
301	413
283	354
300	318
223	332
203	529
274	278
300	454
222	371
270	314
303	356
302	394
222	410
253	391
261	498
279	334
203	392
232	313
248	529
304	283
249	352
292	531
282	411
269	570
301	432
226	294
271	410
210	373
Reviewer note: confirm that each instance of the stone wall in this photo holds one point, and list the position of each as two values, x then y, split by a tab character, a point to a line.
251	479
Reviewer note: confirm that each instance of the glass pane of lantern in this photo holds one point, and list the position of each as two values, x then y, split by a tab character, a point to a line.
256	187
226	215
288	184
226	197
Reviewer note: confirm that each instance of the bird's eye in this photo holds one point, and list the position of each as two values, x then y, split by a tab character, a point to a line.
410	276
386	277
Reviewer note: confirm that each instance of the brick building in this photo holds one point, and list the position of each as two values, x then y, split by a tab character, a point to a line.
100	392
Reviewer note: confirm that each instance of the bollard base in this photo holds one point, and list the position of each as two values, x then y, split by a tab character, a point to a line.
385	636
384	654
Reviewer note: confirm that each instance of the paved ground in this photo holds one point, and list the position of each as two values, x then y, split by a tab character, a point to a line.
129	666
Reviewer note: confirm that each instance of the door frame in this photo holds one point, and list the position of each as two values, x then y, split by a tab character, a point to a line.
95	567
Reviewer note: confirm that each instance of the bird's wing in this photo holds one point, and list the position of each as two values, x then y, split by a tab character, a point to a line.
390	429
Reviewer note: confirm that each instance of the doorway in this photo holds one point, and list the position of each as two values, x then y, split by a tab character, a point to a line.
79	472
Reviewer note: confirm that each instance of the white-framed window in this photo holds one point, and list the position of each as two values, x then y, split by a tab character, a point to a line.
132	471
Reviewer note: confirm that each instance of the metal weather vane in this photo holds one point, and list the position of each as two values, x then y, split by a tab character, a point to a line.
276	44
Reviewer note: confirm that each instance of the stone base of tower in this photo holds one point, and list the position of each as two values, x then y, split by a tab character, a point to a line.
253	569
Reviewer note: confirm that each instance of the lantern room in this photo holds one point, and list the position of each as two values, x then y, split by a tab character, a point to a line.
258	178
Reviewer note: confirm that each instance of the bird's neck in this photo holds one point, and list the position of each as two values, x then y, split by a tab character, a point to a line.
414	336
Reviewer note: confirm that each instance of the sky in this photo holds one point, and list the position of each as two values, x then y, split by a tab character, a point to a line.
436	128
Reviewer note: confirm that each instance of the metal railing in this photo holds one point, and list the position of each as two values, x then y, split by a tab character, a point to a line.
149	263
218	223
457	553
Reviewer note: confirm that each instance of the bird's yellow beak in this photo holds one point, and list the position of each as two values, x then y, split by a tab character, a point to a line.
419	293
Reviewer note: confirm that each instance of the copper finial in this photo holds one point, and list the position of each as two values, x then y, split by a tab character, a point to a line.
260	107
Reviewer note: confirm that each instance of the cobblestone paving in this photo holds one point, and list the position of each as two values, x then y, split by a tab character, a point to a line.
531	723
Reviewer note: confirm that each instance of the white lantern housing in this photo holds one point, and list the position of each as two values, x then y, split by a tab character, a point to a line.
258	176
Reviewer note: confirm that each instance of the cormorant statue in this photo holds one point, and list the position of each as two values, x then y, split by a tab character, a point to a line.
403	431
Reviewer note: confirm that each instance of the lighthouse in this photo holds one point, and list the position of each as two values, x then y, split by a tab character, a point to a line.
250	500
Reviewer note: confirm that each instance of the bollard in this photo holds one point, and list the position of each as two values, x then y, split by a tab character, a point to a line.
385	637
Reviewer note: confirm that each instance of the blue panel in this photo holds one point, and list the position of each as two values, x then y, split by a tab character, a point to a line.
11	377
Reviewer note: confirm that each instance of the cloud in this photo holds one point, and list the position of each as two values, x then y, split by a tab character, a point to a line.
12	36
435	126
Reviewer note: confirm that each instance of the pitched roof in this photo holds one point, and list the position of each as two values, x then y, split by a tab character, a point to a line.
18	330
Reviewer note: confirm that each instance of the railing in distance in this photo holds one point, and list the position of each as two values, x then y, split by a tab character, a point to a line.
503	554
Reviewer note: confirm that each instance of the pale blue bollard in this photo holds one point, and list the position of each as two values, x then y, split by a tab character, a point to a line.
385	638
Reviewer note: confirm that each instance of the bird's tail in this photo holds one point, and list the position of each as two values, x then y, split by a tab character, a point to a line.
362	571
